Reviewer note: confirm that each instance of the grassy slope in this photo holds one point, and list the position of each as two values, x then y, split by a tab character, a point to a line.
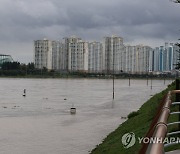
138	124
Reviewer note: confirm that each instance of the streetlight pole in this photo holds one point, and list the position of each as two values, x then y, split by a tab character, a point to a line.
151	82
113	74
129	79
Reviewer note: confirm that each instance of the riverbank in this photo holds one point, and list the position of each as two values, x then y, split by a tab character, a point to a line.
52	75
138	123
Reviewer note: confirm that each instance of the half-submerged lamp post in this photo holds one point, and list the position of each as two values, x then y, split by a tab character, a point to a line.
113	74
151	82
129	79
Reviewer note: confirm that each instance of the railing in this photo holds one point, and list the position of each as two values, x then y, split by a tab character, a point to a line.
159	126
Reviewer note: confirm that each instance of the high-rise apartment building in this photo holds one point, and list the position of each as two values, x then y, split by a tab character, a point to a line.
176	55
77	55
66	54
130	59
155	59
43	54
168	56
138	59
95	57
143	58
113	53
58	56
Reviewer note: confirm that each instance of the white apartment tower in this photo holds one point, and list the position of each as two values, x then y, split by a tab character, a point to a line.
77	52
130	59
143	58
139	59
67	43
113	53
95	57
58	56
43	54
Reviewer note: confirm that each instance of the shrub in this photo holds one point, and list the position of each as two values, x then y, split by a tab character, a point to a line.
133	114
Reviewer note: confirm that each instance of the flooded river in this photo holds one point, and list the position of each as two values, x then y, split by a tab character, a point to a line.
41	123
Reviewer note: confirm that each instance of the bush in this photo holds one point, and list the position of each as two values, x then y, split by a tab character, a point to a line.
133	114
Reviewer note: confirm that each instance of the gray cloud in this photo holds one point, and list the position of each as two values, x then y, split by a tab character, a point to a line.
137	21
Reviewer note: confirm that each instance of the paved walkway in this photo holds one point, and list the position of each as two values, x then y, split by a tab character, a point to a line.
173	152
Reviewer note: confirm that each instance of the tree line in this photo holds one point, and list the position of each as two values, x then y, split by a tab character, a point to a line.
20	69
16	69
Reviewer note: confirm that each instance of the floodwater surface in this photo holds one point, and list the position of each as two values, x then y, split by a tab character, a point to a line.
41	123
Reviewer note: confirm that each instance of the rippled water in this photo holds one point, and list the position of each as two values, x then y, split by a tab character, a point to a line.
41	123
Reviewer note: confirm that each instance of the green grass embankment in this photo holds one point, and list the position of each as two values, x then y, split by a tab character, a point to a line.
138	123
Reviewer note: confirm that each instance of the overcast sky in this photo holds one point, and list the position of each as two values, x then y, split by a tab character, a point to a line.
149	22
